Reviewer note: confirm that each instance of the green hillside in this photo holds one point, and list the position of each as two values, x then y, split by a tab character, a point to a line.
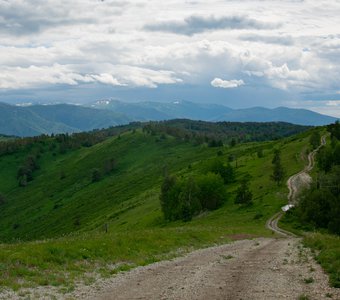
73	196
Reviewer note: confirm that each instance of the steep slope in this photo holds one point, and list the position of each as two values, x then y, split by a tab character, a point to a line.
68	204
64	196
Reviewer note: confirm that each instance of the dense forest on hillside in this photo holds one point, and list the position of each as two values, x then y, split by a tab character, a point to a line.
199	132
224	132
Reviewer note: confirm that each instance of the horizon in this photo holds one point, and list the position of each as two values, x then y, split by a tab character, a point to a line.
238	54
92	105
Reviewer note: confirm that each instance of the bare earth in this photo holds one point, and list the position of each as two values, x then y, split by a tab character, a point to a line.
264	268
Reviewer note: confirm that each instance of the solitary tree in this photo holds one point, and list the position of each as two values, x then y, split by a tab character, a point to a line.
244	195
278	172
189	200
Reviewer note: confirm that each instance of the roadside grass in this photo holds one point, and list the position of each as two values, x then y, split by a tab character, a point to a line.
63	261
326	249
127	201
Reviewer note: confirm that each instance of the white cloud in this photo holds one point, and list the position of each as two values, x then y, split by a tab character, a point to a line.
114	75
226	84
107	79
48	42
333	103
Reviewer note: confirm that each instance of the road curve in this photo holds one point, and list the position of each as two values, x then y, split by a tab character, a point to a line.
293	187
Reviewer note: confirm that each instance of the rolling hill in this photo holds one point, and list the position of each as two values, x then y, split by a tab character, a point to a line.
61	192
47	119
92	208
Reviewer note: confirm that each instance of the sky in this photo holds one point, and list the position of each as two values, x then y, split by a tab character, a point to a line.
236	53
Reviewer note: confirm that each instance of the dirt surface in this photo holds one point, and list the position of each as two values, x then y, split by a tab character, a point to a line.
302	179
264	268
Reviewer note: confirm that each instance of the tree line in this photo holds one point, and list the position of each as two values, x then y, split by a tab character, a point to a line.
222	133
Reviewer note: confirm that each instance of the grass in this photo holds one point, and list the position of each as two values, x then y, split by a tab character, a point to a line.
327	253
58	224
308	280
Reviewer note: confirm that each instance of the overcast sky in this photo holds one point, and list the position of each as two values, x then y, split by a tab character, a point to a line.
238	53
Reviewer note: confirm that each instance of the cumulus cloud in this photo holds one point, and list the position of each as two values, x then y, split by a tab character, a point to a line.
286	40
198	24
20	17
287	47
226	84
114	75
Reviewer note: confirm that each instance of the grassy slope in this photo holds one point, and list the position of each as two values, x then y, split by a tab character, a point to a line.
127	201
326	247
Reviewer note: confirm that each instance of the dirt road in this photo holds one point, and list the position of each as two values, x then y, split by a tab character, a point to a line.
295	183
264	268
302	179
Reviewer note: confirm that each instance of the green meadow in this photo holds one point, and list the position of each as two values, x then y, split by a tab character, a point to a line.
65	227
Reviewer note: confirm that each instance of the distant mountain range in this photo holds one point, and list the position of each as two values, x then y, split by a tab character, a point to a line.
144	111
46	119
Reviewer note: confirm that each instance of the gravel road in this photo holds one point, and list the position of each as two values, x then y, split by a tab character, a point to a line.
264	268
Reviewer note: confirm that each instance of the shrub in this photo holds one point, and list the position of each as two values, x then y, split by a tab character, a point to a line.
212	191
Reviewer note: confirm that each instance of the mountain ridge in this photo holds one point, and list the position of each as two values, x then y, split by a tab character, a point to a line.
39	119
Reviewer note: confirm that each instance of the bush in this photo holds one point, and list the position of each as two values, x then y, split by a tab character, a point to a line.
212	191
181	200
216	166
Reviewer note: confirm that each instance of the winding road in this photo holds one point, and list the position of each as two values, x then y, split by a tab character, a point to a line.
262	268
294	184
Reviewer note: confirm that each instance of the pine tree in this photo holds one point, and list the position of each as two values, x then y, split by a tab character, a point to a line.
244	195
278	172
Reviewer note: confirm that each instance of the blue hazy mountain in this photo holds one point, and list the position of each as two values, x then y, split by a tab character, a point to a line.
143	111
60	118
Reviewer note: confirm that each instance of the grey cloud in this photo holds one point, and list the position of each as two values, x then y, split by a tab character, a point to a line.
197	24
271	39
31	17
